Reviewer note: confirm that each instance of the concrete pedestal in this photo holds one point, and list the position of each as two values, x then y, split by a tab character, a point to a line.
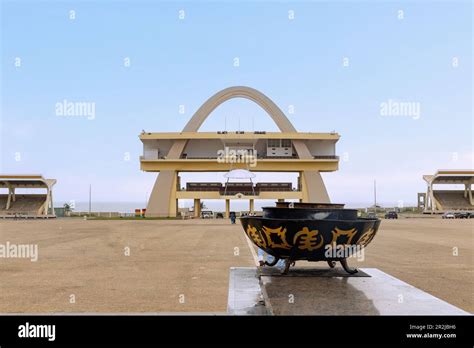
245	296
330	292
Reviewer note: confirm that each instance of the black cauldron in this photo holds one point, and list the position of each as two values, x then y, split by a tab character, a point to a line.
310	231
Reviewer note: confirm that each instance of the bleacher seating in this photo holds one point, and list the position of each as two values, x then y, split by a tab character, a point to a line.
233	188
203	186
452	200
273	186
24	205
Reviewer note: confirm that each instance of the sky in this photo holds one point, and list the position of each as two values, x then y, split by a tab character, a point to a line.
336	64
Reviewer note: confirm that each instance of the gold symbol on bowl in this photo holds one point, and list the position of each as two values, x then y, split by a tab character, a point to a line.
280	232
366	237
307	240
256	237
337	233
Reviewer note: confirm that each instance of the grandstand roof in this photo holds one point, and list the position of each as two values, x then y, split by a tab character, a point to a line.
444	176
25	181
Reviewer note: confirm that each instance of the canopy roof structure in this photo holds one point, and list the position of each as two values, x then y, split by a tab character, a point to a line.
438	201
239	174
14	204
25	181
445	176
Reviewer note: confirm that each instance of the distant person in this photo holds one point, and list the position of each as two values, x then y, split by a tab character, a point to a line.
232	217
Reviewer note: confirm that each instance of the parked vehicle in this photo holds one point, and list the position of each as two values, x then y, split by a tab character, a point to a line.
219	216
207	214
372	216
391	215
448	215
461	215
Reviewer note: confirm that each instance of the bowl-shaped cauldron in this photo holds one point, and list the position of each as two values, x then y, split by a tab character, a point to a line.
306	233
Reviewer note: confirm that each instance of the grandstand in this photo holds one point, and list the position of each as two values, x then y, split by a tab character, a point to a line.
233	188
273	186
204	186
14	204
439	201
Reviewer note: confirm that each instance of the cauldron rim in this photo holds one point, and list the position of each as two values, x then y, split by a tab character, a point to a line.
299	220
305	205
311	209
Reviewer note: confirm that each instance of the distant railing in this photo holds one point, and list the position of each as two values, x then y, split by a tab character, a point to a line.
185	156
107	214
152	157
233	193
293	156
245	190
326	157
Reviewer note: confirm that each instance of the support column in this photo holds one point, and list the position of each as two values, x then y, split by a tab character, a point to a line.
421	200
227	208
427	200
178	182
469	193
313	187
9	198
46	204
13	194
251	206
162	198
197	208
178	188
51	211
432	199
173	203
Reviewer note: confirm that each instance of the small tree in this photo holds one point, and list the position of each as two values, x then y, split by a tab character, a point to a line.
67	209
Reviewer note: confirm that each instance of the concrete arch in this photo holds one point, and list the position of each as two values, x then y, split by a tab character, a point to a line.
239	92
282	122
161	202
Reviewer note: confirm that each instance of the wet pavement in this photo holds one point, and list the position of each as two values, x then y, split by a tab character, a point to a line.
245	297
329	292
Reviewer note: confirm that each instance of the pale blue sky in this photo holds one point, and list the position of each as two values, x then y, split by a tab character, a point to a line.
295	62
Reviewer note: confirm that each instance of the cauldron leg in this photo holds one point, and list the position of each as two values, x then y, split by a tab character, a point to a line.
273	263
288	263
346	267
332	264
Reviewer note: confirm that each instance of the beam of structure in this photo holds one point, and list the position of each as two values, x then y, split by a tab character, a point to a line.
163	198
